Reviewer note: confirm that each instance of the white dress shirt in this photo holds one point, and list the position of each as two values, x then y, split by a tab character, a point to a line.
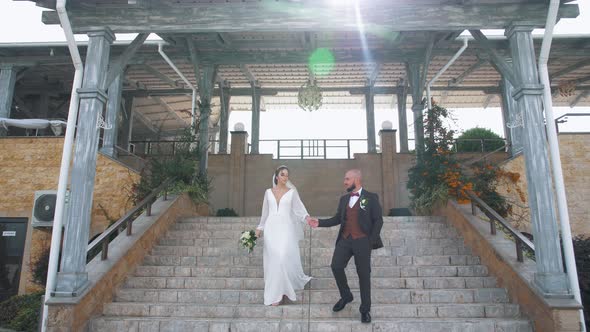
353	199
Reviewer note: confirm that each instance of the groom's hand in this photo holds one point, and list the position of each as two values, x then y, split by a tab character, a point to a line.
312	222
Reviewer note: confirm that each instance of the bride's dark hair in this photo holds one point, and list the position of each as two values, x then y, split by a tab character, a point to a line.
277	171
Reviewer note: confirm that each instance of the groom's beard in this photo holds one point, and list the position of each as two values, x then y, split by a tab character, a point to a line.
351	188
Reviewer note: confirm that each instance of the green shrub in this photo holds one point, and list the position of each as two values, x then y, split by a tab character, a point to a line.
227	212
491	142
582	252
21	313
182	166
39	268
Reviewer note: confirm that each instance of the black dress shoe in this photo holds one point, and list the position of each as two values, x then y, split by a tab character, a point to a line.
365	317
341	304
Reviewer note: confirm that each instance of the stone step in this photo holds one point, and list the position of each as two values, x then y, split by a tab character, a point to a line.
383	296
416	246
317	260
242	226
256	219
314	311
316	272
238	250
164	324
166	282
395	234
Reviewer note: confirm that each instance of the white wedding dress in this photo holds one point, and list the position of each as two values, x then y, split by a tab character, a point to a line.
282	224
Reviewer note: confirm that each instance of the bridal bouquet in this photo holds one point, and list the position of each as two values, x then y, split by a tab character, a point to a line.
248	240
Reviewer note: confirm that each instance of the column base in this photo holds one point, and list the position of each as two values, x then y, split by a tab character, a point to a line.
71	284
109	151
552	285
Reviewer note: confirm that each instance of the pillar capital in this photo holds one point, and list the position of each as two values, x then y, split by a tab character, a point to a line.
104	32
509	31
528	90
92	93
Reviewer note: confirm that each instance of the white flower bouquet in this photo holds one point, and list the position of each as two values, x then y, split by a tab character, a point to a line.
248	240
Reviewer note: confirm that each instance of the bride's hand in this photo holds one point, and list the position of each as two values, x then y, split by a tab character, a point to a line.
258	232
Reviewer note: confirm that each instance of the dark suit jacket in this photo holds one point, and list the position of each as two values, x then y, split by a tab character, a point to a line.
370	218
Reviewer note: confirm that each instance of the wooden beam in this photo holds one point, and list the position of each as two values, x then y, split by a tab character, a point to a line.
167	38
23	107
500	64
224	40
579	98
145	121
249	76
459	79
194	56
308	16
159	75
488	100
373	75
571	68
121	62
170	110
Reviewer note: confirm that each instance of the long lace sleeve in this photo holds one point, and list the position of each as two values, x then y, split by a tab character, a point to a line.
298	209
264	214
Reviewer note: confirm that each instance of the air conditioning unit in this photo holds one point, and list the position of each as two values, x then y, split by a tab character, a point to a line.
44	207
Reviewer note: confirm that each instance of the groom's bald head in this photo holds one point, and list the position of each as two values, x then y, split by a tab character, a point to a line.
353	179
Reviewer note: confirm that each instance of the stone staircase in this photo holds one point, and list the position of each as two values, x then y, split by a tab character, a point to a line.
198	279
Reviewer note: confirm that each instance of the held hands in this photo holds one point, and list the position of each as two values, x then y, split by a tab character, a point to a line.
258	233
312	222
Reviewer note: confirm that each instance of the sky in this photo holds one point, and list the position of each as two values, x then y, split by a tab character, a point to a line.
20	21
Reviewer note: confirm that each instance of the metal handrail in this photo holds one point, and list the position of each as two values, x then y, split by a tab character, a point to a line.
316	147
559	120
127	220
520	240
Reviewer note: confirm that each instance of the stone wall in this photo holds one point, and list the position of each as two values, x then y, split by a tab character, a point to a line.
498	254
575	160
28	164
319	182
125	254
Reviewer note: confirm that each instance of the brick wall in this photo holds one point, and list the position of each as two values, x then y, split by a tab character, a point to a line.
575	160
28	164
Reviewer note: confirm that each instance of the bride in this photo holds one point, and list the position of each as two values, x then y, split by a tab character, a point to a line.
283	217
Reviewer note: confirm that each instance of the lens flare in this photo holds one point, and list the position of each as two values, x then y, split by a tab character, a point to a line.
321	62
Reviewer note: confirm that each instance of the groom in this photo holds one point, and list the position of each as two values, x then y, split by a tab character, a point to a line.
360	219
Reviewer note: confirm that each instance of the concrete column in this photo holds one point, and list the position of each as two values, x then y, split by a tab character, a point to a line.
402	97
109	139
73	278
205	90
388	155
550	276
370	112
510	112
255	121
417	108
237	171
224	120
7	82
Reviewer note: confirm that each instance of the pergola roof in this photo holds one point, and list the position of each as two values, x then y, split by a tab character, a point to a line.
278	61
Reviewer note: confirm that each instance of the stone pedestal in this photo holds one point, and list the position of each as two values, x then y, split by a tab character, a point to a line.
388	155
237	171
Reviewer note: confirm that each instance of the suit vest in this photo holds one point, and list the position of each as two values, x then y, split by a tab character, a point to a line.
352	227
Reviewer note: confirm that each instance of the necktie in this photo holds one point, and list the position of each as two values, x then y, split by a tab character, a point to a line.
354	194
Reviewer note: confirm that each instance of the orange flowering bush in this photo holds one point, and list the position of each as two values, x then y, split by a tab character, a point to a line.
436	175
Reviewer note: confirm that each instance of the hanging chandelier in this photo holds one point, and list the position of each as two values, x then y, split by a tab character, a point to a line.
309	97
